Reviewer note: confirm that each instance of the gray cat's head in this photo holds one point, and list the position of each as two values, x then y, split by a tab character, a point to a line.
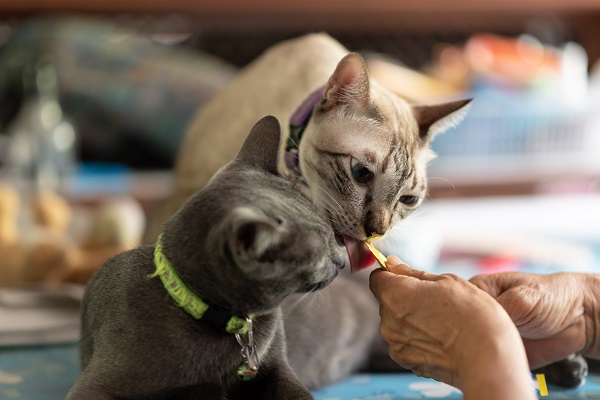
251	237
364	155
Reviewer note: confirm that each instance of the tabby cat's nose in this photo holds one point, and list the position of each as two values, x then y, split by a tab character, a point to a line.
375	229
376	223
373	232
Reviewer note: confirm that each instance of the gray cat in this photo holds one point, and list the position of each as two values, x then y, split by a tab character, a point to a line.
242	244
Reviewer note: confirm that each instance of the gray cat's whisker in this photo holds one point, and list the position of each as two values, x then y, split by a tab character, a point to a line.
289	308
315	299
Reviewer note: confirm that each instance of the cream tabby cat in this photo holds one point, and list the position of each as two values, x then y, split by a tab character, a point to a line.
363	152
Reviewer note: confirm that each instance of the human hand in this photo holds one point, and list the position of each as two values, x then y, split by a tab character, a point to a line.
444	327
550	312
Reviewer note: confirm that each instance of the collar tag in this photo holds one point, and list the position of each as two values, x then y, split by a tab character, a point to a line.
248	369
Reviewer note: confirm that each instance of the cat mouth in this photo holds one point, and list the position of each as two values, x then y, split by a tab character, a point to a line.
359	255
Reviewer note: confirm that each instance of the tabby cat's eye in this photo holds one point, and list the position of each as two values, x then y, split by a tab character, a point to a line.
409	200
360	173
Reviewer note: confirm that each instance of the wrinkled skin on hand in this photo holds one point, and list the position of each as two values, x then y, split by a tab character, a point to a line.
440	326
548	310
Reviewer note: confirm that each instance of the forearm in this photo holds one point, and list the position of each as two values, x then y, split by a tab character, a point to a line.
591	307
499	372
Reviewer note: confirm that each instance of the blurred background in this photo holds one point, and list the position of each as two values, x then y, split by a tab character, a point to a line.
95	97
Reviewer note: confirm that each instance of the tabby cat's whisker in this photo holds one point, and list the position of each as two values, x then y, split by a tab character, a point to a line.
325	200
318	175
396	233
445	180
323	182
292	140
436	159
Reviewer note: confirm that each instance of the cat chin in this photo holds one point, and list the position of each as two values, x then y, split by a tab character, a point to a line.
316	286
321	284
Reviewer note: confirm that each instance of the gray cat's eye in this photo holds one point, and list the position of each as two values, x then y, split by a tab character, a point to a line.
360	173
409	200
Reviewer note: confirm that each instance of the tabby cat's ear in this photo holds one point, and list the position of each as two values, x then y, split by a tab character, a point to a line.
261	148
349	83
434	119
253	232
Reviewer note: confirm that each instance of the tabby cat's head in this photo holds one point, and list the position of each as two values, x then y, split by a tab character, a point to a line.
365	153
251	237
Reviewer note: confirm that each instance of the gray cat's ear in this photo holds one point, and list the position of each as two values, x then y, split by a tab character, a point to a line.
434	119
252	232
349	83
261	147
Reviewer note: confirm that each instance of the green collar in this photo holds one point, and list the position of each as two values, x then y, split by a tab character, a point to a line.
190	301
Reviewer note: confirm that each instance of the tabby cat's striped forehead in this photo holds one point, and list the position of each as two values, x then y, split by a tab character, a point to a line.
396	118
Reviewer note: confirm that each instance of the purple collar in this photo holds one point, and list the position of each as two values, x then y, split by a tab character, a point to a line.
298	122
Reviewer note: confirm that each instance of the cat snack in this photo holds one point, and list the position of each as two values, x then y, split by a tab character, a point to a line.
381	259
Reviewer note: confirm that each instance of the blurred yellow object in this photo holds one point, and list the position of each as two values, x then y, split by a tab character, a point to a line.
52	211
10	203
541	380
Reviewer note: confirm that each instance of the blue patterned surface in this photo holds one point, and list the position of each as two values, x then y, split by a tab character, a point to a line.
47	373
409	386
38	372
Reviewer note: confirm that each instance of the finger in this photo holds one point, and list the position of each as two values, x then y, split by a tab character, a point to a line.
398	267
394	261
496	284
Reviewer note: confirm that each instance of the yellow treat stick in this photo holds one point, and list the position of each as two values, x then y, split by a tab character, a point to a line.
541	379
381	259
